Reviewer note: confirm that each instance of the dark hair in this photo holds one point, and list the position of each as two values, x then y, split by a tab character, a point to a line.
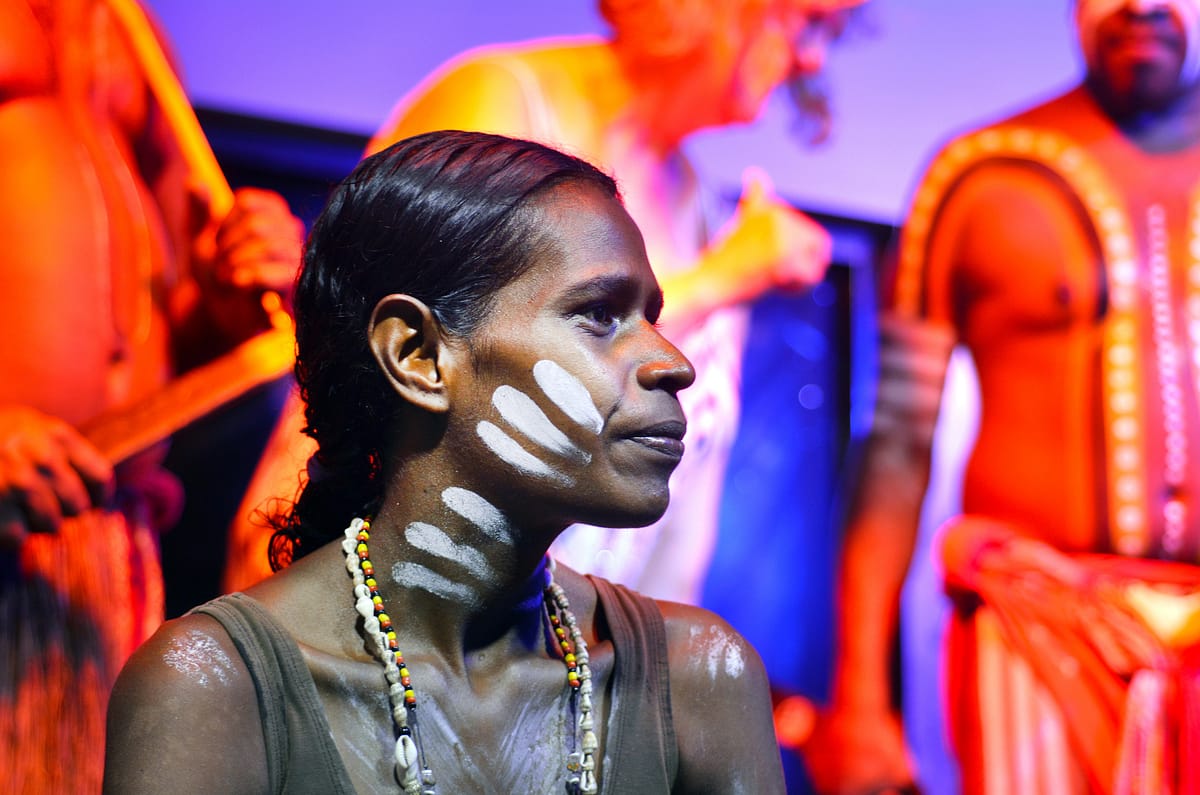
443	217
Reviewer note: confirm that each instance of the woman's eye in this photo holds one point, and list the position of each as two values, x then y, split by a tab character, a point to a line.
600	315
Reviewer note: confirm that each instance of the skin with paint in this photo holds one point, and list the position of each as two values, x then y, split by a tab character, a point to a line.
566	366
1015	279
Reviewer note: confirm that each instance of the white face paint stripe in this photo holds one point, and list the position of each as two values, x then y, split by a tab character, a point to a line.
519	410
479	512
434	540
414	575
510	451
568	393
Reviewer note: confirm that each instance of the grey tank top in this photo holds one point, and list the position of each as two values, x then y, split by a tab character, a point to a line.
640	753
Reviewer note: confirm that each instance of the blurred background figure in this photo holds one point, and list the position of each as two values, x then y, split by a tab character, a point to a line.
1060	248
628	103
115	274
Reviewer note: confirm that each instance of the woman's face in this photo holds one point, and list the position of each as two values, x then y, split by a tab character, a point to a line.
569	413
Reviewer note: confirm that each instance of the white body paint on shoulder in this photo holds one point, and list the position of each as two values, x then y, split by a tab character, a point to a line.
568	393
479	512
434	540
199	656
720	651
519	410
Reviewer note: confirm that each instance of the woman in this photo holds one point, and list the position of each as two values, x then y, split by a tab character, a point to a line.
481	368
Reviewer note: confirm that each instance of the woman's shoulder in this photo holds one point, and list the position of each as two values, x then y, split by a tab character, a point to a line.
704	647
185	704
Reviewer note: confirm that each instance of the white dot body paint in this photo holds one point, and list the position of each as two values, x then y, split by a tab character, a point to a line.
510	451
434	540
519	411
198	656
414	575
479	512
568	393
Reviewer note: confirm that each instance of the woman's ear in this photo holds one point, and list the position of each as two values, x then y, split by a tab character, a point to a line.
406	340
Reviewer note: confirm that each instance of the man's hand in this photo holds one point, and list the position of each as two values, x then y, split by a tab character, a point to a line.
771	244
48	471
858	752
253	250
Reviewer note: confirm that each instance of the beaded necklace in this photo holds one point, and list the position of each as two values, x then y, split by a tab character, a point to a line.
412	770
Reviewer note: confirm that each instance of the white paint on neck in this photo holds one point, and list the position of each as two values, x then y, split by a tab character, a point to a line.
479	512
414	575
198	655
519	410
568	393
434	541
511	452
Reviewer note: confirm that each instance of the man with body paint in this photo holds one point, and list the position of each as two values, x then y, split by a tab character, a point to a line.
477	346
116	273
1061	249
630	103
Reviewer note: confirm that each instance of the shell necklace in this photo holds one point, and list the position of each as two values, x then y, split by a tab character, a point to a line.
412	770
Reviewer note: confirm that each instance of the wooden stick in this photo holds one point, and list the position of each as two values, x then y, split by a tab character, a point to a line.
129	429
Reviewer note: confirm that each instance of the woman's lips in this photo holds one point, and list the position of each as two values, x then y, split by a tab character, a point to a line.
664	438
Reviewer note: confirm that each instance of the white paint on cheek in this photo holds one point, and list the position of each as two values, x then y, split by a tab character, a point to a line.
434	540
568	393
479	512
414	575
512	453
519	410
198	655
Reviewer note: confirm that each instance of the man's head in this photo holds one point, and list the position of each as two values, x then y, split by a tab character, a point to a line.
1141	54
741	49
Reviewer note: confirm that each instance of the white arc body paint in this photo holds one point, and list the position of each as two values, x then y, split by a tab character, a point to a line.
479	512
433	540
519	411
568	393
509	450
414	575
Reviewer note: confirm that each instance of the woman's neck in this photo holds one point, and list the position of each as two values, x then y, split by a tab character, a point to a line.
456	572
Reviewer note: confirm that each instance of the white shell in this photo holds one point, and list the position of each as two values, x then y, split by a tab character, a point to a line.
406	757
348	545
587	783
365	607
361	591
589	743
